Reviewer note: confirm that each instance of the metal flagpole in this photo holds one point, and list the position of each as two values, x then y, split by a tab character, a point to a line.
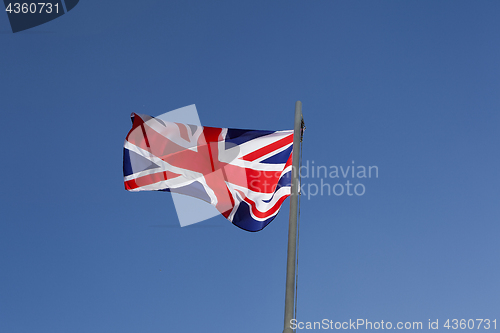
292	222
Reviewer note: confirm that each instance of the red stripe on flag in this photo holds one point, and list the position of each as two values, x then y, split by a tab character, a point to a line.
269	148
255	180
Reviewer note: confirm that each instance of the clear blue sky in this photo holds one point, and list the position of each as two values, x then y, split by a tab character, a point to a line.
412	87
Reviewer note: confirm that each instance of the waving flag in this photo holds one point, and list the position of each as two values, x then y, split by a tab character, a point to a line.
244	174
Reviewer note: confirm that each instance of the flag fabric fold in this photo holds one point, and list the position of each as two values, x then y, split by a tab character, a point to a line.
244	174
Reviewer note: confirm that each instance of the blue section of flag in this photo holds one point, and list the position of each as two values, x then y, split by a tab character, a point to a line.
281	157
239	136
243	219
133	163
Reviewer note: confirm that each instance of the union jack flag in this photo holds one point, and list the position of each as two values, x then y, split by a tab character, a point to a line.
244	174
